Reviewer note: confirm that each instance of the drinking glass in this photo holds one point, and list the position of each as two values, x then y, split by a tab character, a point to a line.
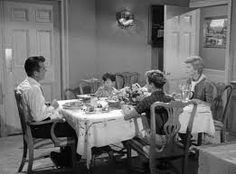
185	91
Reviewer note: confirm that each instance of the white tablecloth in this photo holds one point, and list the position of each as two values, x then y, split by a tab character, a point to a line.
102	129
203	121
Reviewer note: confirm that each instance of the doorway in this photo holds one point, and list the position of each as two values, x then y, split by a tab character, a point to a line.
157	35
29	28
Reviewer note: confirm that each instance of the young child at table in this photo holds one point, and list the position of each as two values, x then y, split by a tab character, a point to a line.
107	89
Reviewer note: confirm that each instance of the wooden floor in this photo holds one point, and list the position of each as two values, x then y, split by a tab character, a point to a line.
11	153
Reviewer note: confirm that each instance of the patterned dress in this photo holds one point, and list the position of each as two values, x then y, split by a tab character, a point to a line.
204	90
144	107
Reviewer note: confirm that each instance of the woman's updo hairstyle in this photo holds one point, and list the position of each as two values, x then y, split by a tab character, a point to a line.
156	77
196	62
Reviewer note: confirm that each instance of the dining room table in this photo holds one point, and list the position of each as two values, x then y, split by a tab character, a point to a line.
98	128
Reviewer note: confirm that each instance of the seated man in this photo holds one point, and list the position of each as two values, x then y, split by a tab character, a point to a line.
39	110
107	89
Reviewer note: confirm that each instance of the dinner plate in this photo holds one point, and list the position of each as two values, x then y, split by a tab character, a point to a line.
93	112
72	105
104	111
84	96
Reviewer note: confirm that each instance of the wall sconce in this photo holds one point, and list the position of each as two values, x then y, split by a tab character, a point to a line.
125	18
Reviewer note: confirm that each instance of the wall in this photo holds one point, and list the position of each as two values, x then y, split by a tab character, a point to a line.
82	40
98	45
1	66
232	69
119	49
214	58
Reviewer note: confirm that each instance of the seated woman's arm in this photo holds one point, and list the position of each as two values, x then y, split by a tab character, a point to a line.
129	112
99	92
209	92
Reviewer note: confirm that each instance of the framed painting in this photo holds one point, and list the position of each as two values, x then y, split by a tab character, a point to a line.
215	32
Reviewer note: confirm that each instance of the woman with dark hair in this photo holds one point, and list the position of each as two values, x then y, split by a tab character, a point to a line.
107	89
202	88
155	81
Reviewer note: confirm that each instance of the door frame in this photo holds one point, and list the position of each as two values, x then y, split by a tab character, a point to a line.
204	3
225	75
64	35
63	12
1	68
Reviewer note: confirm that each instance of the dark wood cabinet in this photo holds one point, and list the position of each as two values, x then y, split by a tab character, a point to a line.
156	25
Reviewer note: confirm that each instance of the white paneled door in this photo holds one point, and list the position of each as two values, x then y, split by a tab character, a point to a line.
181	40
30	29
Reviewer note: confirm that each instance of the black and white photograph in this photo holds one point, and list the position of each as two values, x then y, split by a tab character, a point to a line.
118	86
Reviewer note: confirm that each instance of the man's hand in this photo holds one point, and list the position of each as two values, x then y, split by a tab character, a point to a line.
55	104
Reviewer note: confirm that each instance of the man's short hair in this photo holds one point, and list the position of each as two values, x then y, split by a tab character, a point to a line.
110	76
32	64
196	62
156	77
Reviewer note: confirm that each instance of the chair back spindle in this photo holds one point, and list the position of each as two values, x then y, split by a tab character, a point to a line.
30	142
130	78
89	85
172	148
24	113
219	107
120	81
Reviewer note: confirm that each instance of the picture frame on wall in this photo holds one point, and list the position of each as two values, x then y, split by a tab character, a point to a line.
215	32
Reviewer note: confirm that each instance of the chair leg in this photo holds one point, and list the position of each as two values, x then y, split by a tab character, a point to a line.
153	163
31	158
222	136
73	156
93	161
185	164
127	146
199	139
25	147
111	155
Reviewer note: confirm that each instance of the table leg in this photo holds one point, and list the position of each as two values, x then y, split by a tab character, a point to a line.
199	139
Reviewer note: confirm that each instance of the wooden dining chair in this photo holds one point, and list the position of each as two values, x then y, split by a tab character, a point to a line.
30	143
71	93
120	81
130	78
220	106
88	86
169	146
